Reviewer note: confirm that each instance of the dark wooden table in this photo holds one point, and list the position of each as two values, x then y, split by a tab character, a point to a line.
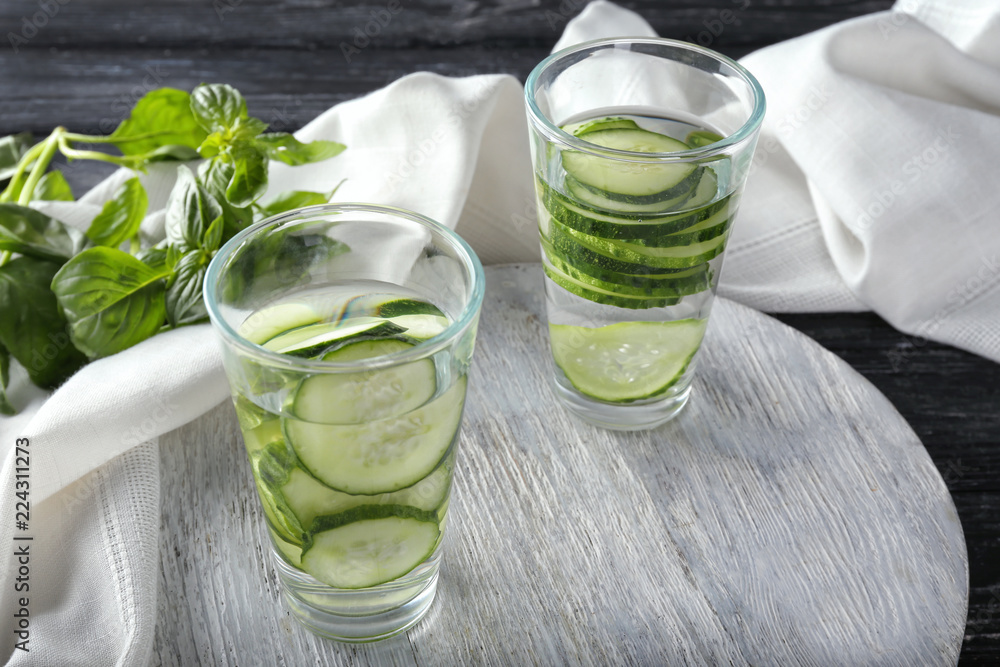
83	64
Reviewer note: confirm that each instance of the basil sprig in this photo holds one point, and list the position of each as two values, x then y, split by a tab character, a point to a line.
68	296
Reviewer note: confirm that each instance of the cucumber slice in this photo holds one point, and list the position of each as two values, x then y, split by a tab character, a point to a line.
610	123
364	396
266	323
398	307
672	257
627	226
667	199
420	327
316	339
628	361
291	552
679	283
604	296
584	258
598	199
700	138
379	456
369	545
270	471
309	498
630	178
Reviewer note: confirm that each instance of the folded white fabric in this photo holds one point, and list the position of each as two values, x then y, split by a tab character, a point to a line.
870	191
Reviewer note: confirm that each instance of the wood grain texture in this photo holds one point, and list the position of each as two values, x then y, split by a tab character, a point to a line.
789	516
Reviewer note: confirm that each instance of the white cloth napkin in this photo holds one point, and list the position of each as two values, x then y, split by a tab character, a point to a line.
871	191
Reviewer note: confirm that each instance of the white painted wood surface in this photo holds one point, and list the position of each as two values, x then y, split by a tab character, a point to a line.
788	516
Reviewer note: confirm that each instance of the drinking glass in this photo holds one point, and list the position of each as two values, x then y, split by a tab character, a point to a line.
641	148
347	335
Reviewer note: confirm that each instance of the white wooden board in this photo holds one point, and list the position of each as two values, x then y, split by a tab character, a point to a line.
788	516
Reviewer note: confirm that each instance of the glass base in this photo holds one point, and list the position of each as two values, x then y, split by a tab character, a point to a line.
623	416
363	615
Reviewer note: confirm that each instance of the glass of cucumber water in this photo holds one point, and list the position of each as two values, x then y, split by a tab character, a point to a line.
347	334
641	148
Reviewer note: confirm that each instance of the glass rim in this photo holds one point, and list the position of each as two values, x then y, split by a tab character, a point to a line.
420	350
553	133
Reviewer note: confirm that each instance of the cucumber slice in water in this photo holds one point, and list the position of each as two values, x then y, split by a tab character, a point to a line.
398	307
364	396
309	498
384	455
605	296
678	283
421	327
271	321
642	179
315	339
700	138
628	361
369	545
610	123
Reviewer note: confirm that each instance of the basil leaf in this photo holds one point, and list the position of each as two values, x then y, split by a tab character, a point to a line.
12	149
111	300
213	145
285	148
174	254
287	201
190	210
155	257
53	187
166	114
184	296
30	232
173	152
217	106
121	216
31	326
5	406
247	128
249	179
213	235
214	176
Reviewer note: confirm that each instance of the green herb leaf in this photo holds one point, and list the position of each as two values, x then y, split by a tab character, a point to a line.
217	106
5	406
213	235
249	179
31	326
189	211
121	216
53	187
111	300
165	114
184	295
173	152
288	201
286	148
247	129
12	149
155	257
30	232
174	254
214	176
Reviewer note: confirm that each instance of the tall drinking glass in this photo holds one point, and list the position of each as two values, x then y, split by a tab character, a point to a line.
347	334
641	148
